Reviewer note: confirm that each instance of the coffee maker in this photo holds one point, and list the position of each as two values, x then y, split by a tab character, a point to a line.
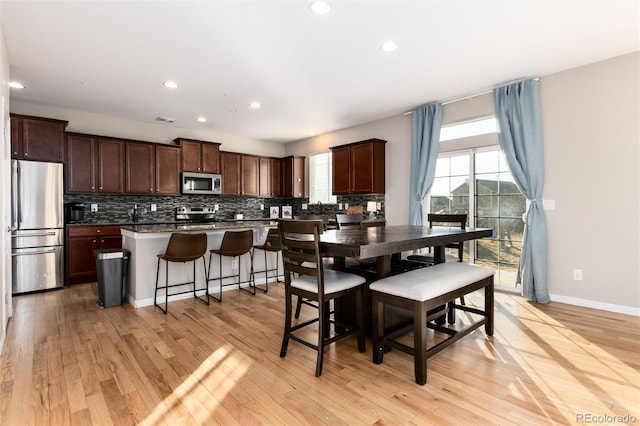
74	212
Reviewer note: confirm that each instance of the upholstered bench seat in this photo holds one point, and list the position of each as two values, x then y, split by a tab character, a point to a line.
422	291
427	283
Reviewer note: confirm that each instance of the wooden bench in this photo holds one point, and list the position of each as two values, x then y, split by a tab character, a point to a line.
424	292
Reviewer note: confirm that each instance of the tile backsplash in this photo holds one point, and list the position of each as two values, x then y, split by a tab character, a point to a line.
116	208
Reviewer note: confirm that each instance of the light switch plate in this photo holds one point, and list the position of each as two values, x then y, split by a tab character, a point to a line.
261	206
549	204
154	207
94	207
339	206
216	207
304	206
346	206
379	206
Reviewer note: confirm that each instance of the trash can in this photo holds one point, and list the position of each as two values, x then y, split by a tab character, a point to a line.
111	268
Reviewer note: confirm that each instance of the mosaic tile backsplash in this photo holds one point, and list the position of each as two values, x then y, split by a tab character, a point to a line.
117	208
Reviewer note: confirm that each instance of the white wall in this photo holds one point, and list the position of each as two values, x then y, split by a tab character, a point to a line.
5	192
591	123
104	125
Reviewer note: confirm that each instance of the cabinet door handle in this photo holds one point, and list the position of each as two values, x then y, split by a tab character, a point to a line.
100	188
93	187
94	241
98	231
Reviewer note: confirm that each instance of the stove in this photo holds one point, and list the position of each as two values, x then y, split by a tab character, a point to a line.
194	214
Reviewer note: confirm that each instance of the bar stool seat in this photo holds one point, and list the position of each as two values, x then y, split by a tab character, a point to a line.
182	248
271	244
234	244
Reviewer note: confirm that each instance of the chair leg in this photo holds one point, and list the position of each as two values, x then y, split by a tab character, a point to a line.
252	284
298	307
360	320
287	325
204	300
321	336
218	299
155	294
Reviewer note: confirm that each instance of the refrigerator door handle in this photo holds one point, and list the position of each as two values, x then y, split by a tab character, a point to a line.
34	252
15	190
44	234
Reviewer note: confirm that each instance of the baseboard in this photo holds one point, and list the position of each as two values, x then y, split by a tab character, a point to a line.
141	303
586	303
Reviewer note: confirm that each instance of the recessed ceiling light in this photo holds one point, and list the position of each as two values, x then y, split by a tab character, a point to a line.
16	85
255	105
201	120
320	7
389	46
170	84
312	133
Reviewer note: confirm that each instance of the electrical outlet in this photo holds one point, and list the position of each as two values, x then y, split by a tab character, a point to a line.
234	264
339	206
305	206
577	274
261	206
346	206
379	206
216	207
154	207
94	208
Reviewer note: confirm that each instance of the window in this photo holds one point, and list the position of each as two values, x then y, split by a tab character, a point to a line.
320	179
483	126
478	182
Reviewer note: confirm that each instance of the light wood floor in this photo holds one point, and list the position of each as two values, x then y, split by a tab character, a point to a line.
67	362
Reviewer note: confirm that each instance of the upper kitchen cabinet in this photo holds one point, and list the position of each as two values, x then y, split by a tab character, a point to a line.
358	168
199	156
230	170
168	169
276	176
152	169
94	164
250	172
293	177
38	139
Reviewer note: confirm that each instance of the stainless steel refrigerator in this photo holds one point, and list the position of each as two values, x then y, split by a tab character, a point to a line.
37	250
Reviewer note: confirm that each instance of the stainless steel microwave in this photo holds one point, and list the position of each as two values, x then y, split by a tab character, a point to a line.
201	183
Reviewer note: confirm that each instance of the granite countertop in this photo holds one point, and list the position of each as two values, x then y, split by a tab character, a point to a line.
181	226
125	223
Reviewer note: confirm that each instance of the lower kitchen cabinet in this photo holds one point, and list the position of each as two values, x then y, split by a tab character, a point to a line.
81	242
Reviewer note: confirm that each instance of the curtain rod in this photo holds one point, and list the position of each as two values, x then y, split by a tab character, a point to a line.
475	95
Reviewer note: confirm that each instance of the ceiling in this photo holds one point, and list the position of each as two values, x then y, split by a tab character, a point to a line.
310	73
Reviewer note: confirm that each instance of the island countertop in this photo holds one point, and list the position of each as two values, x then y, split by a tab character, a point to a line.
186	227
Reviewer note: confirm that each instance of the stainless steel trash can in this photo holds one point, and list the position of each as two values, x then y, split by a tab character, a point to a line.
111	268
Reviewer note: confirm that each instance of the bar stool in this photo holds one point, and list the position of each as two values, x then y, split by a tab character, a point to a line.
235	244
271	245
182	248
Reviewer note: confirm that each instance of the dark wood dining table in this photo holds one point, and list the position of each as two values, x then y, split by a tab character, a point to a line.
383	244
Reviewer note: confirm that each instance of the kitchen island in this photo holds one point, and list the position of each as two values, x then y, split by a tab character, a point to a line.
146	241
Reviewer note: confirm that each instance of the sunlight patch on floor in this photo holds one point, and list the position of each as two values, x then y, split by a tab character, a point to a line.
204	389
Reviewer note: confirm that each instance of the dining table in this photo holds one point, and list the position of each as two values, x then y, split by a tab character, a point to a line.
385	245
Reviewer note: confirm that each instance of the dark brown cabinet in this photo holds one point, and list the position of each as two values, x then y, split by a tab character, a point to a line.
230	169
199	156
168	170
250	172
265	177
94	164
80	245
152	169
38	139
276	177
293	177
140	168
358	168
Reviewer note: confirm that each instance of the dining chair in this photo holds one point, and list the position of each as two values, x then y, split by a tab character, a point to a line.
349	221
234	244
182	248
305	276
444	220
